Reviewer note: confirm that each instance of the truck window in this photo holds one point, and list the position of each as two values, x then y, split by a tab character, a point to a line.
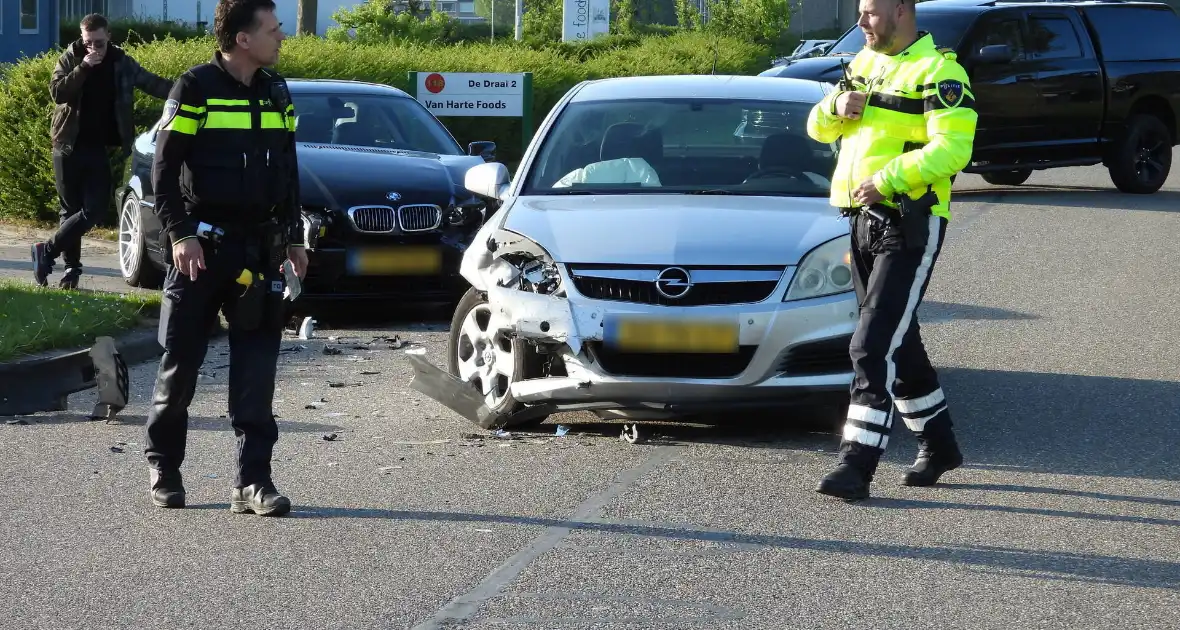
1135	33
1052	38
947	29
998	32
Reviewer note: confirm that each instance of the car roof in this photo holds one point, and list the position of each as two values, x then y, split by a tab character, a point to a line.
342	86
978	6
700	85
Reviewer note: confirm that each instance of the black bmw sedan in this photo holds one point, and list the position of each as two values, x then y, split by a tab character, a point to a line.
385	214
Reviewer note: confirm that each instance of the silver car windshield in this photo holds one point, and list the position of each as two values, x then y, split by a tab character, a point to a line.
385	122
687	146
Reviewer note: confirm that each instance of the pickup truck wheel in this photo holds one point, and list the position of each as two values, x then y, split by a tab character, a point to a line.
1007	178
1141	161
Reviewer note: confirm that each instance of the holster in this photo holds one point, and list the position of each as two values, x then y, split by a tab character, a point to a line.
262	301
915	217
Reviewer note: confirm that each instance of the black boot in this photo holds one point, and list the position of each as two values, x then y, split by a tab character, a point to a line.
852	476
167	488
938	452
261	499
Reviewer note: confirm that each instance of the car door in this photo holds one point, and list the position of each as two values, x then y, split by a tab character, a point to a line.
1009	106
1068	81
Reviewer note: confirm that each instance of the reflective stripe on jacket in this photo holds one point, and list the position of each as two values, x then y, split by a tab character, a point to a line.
917	128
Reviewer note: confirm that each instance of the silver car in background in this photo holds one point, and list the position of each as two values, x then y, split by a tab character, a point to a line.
666	247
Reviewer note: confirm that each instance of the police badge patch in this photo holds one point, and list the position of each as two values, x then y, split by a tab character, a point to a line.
171	106
950	92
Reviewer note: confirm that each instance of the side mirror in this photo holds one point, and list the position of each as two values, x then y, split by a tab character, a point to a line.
488	180
484	149
998	53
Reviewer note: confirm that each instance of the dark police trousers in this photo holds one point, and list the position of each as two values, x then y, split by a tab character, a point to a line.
188	314
892	373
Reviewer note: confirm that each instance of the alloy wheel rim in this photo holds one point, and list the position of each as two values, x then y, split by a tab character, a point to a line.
128	237
1149	158
485	356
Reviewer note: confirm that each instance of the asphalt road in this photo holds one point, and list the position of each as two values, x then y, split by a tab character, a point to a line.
1051	317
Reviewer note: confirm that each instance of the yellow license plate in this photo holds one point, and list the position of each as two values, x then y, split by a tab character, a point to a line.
395	261
656	335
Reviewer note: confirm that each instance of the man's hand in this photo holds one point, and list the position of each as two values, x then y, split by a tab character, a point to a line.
850	105
189	257
867	194
94	58
297	254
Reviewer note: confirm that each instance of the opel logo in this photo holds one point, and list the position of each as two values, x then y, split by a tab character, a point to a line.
673	283
393	195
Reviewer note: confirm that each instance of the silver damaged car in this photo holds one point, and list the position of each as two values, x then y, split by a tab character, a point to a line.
666	247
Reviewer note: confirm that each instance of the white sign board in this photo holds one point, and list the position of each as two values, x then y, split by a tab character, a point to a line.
471	93
584	19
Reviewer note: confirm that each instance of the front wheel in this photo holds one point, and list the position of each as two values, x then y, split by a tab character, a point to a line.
488	359
137	269
1007	178
1140	162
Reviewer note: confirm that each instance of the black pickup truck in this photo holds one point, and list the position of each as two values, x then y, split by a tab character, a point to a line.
1056	83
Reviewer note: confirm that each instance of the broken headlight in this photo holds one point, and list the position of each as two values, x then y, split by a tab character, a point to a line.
523	265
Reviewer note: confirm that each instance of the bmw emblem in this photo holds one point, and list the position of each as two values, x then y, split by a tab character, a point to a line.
393	195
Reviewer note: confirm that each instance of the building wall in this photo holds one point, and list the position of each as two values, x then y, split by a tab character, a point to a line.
809	16
192	11
15	44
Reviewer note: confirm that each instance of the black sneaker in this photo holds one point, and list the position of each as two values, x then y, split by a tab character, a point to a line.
70	279
42	266
260	499
167	489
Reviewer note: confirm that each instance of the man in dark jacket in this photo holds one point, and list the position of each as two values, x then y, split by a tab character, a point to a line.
93	88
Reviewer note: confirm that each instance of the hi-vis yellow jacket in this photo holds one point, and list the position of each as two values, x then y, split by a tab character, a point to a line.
916	130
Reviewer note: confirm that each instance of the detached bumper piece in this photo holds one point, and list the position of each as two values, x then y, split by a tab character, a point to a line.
461	397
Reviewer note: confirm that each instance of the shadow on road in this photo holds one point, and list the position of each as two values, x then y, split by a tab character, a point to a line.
931	311
195	423
1077	567
1106	198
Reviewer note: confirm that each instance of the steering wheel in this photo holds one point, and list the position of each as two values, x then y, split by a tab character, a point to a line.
776	171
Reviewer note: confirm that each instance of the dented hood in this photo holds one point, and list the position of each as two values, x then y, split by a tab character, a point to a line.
657	229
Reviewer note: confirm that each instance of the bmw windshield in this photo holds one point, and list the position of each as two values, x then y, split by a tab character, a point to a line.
947	29
364	120
683	146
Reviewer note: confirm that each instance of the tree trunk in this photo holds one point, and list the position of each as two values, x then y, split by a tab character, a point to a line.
305	18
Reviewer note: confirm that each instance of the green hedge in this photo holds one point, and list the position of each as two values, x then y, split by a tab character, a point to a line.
132	30
26	168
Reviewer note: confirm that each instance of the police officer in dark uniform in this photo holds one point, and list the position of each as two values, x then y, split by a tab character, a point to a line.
226	184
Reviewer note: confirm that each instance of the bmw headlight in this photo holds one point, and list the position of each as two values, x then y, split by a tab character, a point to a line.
825	270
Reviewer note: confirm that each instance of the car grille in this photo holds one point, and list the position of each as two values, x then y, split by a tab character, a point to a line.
373	218
709	286
671	365
828	356
419	218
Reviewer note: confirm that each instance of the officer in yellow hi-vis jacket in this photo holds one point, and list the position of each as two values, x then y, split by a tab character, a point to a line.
226	179
906	121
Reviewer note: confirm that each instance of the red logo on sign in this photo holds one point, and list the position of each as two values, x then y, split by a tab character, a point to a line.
435	83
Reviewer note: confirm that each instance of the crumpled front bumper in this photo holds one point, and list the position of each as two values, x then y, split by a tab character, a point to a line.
574	326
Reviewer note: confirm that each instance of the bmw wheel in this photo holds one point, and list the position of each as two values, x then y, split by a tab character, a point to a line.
137	269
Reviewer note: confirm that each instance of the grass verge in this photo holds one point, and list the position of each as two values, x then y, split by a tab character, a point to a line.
99	233
35	319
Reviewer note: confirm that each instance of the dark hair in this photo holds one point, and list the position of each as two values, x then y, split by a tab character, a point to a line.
93	22
236	16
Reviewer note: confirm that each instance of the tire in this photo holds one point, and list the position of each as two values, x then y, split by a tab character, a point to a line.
1140	162
468	346
1007	178
136	267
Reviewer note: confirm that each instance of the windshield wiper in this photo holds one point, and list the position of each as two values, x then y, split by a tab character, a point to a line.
713	191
